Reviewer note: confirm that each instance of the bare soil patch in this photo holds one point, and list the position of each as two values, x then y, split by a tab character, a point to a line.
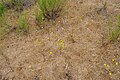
69	48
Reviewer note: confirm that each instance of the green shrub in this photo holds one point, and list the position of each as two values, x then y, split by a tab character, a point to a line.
50	9
22	25
114	34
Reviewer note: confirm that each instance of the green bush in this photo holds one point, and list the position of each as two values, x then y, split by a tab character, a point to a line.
50	9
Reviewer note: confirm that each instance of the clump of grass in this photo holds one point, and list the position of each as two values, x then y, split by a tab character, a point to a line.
114	34
1	13
50	9
39	15
3	21
14	4
22	25
3	25
17	4
2	9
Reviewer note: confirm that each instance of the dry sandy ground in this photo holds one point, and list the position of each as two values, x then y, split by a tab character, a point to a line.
68	49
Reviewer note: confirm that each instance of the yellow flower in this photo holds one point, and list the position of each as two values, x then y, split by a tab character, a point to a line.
58	39
52	32
63	46
49	39
61	43
50	52
105	65
81	18
116	63
110	73
113	60
36	40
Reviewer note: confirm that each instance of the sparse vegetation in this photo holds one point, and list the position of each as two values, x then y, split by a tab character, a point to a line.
50	9
37	44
